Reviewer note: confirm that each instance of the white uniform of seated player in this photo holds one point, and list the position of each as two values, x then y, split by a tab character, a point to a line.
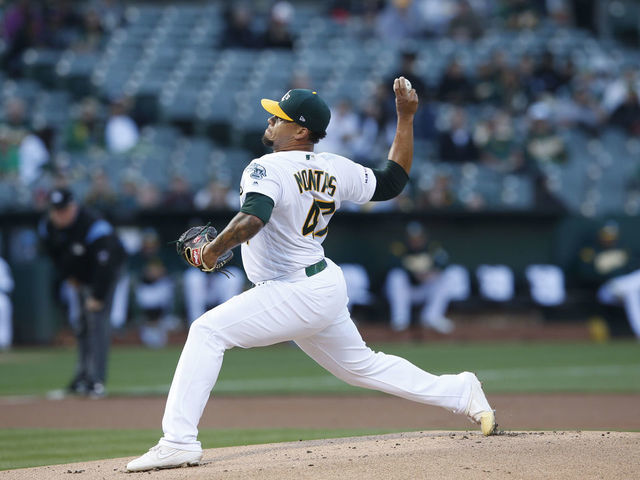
624	290
6	307
288	198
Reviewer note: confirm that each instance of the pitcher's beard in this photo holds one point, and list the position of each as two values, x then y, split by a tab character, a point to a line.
266	142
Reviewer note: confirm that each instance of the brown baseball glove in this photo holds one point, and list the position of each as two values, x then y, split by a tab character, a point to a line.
191	244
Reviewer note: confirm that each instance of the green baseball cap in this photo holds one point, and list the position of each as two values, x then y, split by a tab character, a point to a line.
305	107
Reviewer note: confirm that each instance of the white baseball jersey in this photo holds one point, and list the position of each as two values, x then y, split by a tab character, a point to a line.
307	188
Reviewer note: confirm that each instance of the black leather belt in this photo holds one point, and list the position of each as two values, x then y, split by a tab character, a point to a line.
311	270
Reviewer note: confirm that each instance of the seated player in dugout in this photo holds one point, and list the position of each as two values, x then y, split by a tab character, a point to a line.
288	198
610	267
419	276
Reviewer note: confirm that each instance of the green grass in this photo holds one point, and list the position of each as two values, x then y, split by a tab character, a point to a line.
53	446
283	369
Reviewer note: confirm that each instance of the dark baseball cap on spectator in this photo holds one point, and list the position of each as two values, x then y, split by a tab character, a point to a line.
60	198
304	107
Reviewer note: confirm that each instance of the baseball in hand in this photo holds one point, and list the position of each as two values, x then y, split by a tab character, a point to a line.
407	84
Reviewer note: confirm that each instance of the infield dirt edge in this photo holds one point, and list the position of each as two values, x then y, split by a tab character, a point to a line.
445	455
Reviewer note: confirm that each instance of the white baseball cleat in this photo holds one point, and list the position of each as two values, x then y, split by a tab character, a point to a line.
164	457
479	411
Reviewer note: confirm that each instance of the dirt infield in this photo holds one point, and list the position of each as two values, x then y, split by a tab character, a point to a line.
416	455
566	454
514	412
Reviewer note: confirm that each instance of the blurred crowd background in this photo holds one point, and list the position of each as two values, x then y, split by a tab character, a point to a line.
526	107
524	104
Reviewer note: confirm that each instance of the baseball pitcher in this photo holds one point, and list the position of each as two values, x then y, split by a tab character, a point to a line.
288	198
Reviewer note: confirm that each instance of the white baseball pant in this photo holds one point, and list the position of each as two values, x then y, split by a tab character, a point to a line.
312	311
624	289
434	293
6	327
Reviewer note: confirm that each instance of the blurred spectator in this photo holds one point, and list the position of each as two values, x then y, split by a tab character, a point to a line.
15	114
216	195
110	12
520	14
6	308
408	70
580	110
424	121
400	20
627	115
85	130
178	196
466	24
34	157
510	93
525	72
278	34
9	157
546	77
23	27
344	9
617	90
372	126
543	144
154	291
559	11
611	268
436	15
121	132
488	78
486	84
239	31
439	195
342	131
101	196
149	196
454	86
23	154
127	197
418	276
377	126
92	33
64	23
497	142
568	72
362	15
456	144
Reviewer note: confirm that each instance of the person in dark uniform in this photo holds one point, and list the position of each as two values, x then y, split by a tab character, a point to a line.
89	258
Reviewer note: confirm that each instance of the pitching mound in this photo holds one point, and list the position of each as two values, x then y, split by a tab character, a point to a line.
416	455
